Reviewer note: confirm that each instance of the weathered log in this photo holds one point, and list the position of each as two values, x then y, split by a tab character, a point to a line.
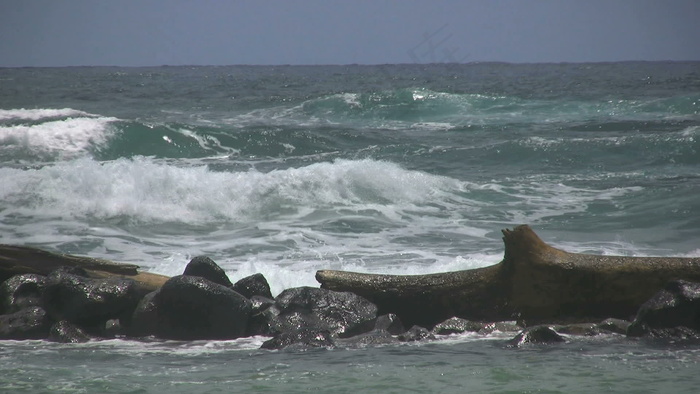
534	282
16	260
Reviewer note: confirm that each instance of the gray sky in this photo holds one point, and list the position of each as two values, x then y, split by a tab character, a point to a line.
208	32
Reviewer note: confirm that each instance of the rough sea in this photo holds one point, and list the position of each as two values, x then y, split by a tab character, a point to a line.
400	169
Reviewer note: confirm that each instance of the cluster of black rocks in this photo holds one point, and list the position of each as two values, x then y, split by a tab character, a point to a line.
69	305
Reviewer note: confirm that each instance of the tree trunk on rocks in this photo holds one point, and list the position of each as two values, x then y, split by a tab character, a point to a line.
16	260
534	282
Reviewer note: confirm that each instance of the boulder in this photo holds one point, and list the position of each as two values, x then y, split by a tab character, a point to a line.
415	333
204	267
66	332
86	302
677	305
21	291
389	323
537	334
302	338
457	325
191	307
341	313
28	323
617	326
253	285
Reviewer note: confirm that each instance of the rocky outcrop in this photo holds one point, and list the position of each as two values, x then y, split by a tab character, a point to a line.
89	302
534	281
672	312
253	285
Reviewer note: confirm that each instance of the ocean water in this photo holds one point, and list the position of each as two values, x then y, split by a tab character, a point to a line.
402	169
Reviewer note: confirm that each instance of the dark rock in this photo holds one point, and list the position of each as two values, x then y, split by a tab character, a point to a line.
677	305
191	307
89	303
372	338
389	323
21	291
66	332
301	338
536	334
28	323
144	321
587	329
457	325
259	322
416	333
253	285
204	267
341	313
502	326
617	326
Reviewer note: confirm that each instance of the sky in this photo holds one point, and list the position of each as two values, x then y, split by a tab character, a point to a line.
54	33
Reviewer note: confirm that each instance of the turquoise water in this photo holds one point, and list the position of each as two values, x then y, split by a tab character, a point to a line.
399	169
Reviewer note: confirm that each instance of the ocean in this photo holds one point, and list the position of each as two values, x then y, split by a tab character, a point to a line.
399	169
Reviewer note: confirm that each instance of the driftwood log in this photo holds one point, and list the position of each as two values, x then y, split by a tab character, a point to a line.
16	260
534	282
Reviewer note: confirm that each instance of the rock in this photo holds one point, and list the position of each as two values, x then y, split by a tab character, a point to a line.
301	338
253	285
617	326
457	325
259	322
677	305
21	291
144	321
28	323
502	326
191	307
375	337
204	267
89	303
66	332
341	313
587	329
389	323
536	334
416	333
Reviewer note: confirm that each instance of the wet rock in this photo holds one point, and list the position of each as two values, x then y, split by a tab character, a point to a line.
259	322
66	332
375	337
583	329
457	325
253	285
28	323
89	303
341	313
204	267
416	333
21	291
536	334
677	305
389	323
617	326
502	326
301	338
191	307
144	321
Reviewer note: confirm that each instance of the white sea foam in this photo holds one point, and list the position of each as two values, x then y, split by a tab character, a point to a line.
40	113
66	137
